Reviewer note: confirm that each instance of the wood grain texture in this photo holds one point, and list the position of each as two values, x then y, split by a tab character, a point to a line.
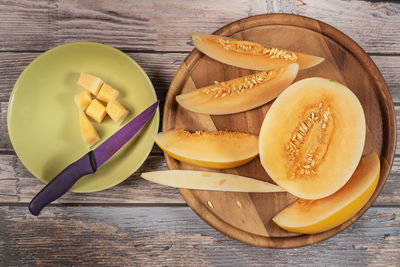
18	185
144	236
162	232
165	25
344	62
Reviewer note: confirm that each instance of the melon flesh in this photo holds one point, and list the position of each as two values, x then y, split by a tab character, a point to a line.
218	150
200	180
250	55
83	100
90	82
96	110
315	216
312	138
116	111
89	133
107	93
239	94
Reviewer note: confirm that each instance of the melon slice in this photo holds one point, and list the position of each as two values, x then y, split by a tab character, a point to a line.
116	111
107	93
96	110
89	133
83	100
210	181
90	82
239	94
315	216
250	55
312	138
218	150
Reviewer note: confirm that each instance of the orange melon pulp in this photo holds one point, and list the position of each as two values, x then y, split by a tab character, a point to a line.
89	133
218	150
315	216
250	55
312	138
239	94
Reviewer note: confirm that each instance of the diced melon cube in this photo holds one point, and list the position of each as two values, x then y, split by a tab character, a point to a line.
96	110
116	111
83	100
107	93
89	133
90	82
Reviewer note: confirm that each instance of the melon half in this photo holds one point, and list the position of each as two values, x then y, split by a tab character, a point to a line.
315	216
312	138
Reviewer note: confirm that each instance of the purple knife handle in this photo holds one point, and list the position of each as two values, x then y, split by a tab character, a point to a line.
62	183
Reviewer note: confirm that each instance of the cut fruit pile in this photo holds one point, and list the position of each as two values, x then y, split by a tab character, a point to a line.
97	110
310	142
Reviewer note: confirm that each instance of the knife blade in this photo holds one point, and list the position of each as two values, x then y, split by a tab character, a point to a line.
89	162
210	181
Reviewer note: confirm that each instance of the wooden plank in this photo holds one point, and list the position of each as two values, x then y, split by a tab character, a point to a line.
165	25
159	67
17	185
126	236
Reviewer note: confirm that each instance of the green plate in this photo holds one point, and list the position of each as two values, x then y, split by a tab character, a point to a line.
43	119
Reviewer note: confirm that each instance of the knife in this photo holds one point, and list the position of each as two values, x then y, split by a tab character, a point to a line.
201	180
89	162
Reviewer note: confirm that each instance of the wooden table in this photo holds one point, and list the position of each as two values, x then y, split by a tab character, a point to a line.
140	223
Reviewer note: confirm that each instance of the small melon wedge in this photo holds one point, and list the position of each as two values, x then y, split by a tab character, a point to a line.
210	181
89	133
116	111
218	150
90	82
107	93
249	55
315	216
239	94
96	110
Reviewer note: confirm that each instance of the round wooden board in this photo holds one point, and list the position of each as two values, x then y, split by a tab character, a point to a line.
345	62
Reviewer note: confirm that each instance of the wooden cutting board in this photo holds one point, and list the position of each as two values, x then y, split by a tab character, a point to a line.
250	221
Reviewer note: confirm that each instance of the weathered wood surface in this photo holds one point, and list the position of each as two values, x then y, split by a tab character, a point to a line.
17	185
160	69
139	223
165	25
175	236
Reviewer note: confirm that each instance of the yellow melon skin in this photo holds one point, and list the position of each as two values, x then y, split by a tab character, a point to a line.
315	216
218	150
231	97
250	55
334	147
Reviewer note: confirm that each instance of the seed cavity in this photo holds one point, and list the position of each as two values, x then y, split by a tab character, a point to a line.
309	141
249	48
239	85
